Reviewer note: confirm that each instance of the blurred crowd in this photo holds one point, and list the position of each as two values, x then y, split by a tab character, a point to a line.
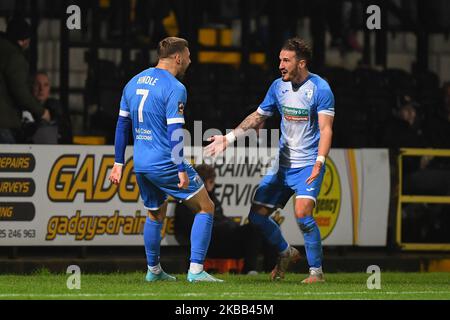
28	113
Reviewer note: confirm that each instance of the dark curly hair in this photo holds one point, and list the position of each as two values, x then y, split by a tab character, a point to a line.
302	49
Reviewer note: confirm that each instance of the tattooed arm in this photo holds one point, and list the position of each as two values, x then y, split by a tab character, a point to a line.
252	121
220	143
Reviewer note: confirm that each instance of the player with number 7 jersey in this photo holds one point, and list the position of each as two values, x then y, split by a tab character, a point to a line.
154	99
152	105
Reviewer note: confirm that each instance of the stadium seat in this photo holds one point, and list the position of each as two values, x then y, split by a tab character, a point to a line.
224	265
426	80
369	82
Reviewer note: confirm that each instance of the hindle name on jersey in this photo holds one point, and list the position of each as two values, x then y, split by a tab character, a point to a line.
147	80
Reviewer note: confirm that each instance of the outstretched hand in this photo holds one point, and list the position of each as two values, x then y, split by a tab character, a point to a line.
218	145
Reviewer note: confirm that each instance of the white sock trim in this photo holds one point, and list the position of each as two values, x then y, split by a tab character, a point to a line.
313	270
155	269
195	268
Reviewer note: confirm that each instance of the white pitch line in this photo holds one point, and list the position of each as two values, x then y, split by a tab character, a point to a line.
329	293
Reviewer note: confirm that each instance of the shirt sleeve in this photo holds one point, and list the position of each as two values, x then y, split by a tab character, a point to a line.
124	108
121	138
325	102
175	105
269	104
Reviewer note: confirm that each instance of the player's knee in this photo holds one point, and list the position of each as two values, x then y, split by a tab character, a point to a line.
208	206
156	215
301	213
304	208
212	207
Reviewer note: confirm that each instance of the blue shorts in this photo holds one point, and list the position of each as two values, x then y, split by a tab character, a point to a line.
155	186
276	189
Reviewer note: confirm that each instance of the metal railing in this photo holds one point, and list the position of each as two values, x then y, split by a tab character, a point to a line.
417	199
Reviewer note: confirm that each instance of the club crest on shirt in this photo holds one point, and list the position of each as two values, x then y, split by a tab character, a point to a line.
309	93
180	107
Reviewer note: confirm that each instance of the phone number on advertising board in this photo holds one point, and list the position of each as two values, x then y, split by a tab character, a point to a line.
17	233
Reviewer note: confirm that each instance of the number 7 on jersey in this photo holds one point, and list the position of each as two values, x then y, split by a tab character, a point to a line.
144	94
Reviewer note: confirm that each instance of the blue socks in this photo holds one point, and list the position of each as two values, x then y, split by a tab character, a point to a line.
152	241
270	229
200	236
313	242
311	234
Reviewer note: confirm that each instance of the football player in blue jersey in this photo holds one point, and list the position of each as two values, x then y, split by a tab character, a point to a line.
152	106
306	105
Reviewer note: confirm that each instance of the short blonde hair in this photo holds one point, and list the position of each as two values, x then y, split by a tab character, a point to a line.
171	45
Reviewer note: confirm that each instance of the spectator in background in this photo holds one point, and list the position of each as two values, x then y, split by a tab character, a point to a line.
229	239
422	175
405	130
15	94
425	222
437	130
59	117
340	15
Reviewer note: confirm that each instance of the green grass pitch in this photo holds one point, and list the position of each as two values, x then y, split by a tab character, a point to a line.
394	286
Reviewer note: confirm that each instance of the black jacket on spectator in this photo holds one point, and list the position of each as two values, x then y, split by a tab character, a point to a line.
15	93
438	132
57	131
399	134
61	118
